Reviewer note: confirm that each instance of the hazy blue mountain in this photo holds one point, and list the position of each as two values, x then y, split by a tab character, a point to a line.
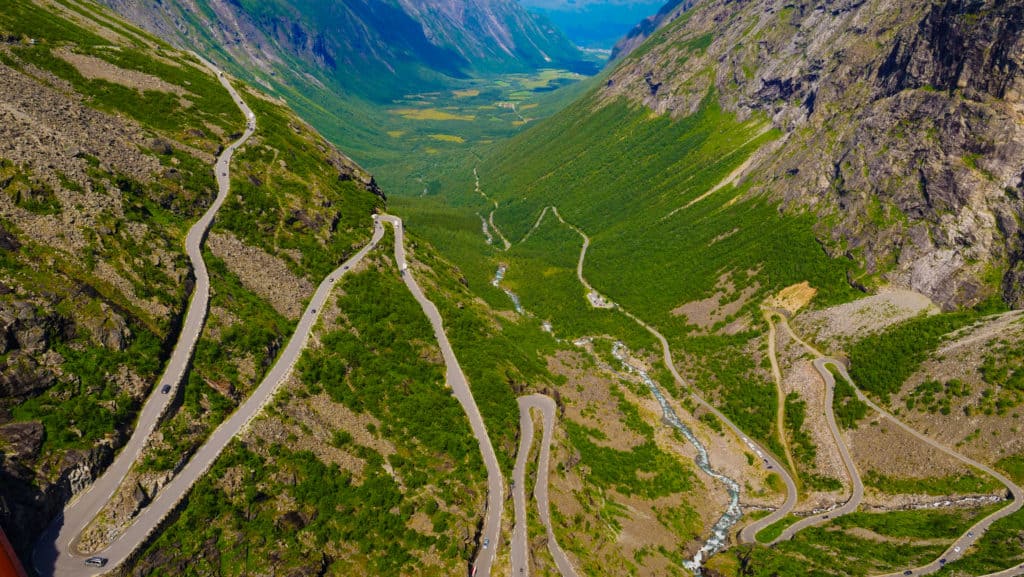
595	24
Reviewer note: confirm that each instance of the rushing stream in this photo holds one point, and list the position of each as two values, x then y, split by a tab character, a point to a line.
498	276
732	514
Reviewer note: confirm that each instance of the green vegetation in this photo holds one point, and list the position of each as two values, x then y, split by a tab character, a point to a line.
542	271
835	550
934	397
628	209
1003	365
1013	466
923	524
207	102
998	549
881	363
847	407
26	191
328	507
79	412
384	370
288	197
1001	368
296	507
962	484
802	446
251	338
821	482
745	395
772	532
645	470
500	357
609	199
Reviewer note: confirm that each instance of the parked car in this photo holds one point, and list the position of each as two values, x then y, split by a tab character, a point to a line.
96	561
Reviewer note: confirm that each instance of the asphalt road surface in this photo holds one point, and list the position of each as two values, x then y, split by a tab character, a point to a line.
519	553
460	388
959	547
857	493
55	552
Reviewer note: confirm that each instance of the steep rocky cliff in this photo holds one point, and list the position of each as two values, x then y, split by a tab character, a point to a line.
901	121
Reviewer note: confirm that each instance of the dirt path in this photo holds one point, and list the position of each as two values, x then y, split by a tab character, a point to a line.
780	411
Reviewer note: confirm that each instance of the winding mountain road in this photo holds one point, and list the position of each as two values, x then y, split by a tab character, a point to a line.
519	550
56	552
857	486
959	546
460	388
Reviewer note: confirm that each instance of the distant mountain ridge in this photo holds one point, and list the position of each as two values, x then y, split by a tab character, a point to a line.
375	48
643	29
595	23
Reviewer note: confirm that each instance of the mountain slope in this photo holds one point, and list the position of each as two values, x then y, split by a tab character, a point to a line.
108	141
898	127
594	24
901	125
643	30
373	48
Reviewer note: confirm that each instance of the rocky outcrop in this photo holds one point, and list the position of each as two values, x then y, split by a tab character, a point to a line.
901	121
22	440
30	500
266	275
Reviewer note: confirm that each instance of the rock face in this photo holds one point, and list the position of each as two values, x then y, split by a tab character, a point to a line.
901	119
31	500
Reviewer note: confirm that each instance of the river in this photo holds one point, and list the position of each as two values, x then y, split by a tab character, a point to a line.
732	514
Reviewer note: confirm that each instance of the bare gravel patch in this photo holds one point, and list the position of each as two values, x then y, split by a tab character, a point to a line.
705	313
836	325
264	274
881	446
98	69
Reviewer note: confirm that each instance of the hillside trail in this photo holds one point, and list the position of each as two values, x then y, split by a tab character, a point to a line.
780	406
